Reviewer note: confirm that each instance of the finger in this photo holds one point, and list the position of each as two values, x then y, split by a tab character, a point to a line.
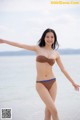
77	88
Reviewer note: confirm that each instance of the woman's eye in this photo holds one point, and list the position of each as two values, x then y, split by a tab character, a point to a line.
47	36
52	37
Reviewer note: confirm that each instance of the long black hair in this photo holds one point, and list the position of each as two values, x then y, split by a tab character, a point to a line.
41	42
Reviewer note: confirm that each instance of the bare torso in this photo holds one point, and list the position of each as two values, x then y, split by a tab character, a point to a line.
44	70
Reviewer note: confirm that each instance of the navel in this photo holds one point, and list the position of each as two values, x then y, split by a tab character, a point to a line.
45	75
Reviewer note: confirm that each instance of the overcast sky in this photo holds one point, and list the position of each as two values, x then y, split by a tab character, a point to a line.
25	20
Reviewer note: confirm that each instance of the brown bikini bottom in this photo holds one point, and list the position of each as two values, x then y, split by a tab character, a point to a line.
47	83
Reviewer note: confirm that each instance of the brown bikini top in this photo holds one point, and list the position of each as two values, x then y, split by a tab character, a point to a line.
43	59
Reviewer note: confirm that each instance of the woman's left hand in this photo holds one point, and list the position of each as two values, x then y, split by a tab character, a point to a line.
76	86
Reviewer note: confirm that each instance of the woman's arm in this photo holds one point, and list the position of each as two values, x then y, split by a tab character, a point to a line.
60	64
24	46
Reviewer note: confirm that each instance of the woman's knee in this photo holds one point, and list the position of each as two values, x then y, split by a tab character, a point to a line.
47	114
47	111
53	110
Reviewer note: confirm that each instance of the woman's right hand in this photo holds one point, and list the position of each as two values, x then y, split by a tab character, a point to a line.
1	41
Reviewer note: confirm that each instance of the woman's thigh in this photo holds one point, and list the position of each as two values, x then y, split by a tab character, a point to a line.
45	95
53	91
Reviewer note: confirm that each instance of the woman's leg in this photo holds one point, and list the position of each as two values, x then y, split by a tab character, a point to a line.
47	114
53	92
47	99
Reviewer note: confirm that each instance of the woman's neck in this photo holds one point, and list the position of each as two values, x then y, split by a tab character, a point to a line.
47	47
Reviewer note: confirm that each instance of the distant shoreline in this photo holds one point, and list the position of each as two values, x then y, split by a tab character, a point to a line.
26	52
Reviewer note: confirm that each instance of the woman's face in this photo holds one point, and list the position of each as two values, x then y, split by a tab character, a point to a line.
49	38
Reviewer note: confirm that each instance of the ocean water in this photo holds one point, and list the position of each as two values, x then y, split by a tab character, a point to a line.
17	88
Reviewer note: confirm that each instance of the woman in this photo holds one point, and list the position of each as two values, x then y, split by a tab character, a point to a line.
46	81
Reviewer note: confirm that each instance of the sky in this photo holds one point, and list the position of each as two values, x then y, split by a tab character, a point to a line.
24	21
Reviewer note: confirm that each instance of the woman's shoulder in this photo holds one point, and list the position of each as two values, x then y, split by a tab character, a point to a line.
38	48
56	52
